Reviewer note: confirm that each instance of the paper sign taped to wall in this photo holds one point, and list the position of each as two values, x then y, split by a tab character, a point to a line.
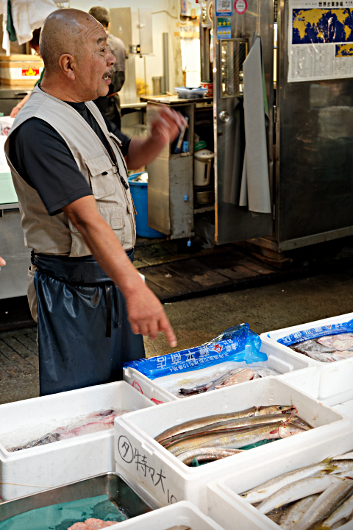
320	40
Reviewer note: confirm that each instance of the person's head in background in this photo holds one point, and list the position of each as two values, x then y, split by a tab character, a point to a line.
34	42
102	15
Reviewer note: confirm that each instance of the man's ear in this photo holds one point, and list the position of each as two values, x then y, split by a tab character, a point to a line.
66	63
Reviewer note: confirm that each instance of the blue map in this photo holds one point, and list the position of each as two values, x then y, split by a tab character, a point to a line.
320	26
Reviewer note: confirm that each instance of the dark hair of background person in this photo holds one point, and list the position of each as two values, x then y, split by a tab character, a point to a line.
101	14
34	42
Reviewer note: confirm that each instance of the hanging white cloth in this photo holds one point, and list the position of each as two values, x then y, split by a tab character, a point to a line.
255	186
28	15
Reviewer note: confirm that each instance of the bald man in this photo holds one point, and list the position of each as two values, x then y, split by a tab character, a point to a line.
69	167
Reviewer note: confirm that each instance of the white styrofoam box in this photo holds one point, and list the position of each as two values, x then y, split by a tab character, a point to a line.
331	383
225	505
325	387
38	468
345	408
182	513
153	471
283	362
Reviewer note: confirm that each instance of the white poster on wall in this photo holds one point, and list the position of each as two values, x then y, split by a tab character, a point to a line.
320	40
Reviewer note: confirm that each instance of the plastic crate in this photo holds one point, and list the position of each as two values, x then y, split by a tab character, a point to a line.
225	504
155	472
38	468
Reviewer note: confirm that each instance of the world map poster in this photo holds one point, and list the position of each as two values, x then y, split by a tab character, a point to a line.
320	40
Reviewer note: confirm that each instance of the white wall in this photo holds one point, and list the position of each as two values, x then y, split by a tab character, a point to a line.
191	61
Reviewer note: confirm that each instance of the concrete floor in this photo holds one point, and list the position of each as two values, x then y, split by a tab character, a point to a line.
198	320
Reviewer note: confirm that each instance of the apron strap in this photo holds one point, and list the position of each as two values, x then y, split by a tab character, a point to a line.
108	301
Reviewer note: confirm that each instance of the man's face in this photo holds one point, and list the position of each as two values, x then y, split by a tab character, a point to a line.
94	63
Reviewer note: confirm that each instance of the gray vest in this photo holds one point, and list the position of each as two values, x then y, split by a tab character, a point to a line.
55	234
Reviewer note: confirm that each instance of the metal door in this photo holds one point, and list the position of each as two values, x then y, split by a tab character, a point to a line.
314	151
235	223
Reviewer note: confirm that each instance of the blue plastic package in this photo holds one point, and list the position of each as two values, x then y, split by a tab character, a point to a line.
236	344
316	333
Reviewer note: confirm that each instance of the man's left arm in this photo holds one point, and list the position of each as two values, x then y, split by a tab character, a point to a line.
164	129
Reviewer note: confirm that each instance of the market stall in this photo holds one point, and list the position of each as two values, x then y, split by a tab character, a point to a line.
213	445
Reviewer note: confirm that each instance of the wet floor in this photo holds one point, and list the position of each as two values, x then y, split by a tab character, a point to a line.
200	319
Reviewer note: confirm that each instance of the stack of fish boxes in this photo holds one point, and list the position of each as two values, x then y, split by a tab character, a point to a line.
38	468
225	505
282	361
154	472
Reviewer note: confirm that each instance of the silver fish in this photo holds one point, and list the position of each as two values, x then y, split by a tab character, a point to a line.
325	504
346	456
231	425
47	439
224	379
297	490
289	430
342	465
241	377
207	454
340	516
202	422
293	514
322	357
234	440
261	492
210	385
275	409
263	372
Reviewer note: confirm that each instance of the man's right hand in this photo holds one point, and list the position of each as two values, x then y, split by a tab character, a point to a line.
14	112
146	315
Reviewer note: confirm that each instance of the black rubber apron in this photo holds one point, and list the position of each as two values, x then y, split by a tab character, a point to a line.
83	331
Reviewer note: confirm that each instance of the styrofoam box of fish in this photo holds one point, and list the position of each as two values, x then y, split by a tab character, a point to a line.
180	515
38	468
225	505
159	390
156	473
333	379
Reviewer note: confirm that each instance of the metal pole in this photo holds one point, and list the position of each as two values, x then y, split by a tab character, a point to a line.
144	68
165	62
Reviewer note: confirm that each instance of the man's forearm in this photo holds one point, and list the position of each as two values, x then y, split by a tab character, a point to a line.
106	249
145	312
164	129
142	151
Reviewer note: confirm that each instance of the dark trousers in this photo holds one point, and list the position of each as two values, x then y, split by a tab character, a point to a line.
83	331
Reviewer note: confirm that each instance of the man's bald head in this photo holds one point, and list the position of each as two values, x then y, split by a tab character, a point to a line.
63	32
